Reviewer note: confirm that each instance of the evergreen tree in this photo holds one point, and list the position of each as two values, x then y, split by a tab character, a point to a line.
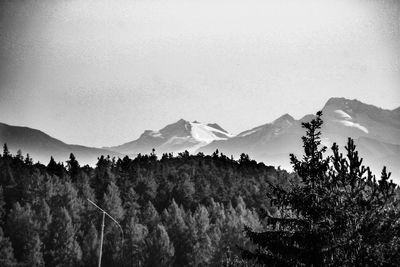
232	235
66	196
204	248
54	168
335	216
6	251
73	167
135	250
131	207
112	234
6	152
103	176
28	160
112	202
161	250
2	206
7	177
177	231
35	187
63	248
90	247
24	237
184	191
87	213
19	156
42	218
150	216
146	187
83	188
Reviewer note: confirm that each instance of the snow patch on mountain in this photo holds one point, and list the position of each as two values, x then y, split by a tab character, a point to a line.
246	133
342	115
155	134
353	124
345	119
206	134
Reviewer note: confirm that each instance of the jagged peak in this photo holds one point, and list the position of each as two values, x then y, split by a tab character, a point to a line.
353	106
181	121
345	102
180	128
339	101
335	100
283	118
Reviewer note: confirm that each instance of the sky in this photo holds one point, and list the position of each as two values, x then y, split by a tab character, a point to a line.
100	72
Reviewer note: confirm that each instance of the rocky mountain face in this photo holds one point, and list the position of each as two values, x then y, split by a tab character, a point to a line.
376	133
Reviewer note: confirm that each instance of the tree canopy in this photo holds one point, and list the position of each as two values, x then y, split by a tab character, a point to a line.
192	210
338	215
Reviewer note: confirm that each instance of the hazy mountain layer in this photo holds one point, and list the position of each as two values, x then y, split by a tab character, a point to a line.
375	130
41	146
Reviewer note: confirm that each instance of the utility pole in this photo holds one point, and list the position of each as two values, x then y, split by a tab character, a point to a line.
101	238
102	228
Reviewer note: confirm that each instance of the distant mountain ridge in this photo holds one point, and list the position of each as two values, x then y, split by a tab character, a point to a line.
40	146
376	132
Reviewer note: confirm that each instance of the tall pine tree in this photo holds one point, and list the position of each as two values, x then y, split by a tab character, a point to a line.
63	248
338	215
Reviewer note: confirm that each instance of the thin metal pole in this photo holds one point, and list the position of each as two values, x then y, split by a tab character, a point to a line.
102	230
101	238
120	227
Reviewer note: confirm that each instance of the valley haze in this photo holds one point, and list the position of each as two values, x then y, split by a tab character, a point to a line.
376	132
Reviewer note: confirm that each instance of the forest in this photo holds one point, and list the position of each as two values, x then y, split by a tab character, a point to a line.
200	210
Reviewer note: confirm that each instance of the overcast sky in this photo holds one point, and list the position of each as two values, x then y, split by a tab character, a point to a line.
99	72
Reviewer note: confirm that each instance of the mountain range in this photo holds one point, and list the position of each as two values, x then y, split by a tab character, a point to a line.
376	133
40	146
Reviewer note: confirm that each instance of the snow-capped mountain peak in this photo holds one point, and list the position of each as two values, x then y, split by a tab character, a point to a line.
197	130
176	137
206	133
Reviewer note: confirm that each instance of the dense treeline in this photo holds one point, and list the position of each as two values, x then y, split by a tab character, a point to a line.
198	210
188	210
